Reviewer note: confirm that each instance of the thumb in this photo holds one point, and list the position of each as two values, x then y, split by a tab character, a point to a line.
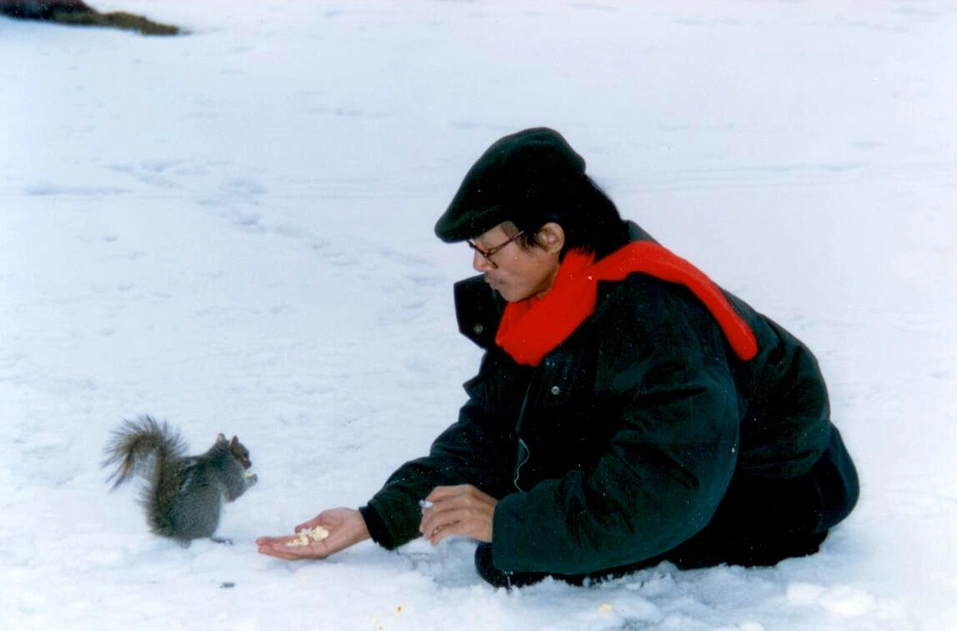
309	525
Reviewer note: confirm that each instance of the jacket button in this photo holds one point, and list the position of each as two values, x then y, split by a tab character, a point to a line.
556	390
477	329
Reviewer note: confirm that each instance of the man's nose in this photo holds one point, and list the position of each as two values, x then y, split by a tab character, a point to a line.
480	263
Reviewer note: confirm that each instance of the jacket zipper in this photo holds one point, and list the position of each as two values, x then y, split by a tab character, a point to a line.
523	453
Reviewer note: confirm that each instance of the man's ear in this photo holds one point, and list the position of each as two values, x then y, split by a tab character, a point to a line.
551	237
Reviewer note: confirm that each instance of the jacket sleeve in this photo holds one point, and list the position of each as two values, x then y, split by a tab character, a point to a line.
475	450
663	371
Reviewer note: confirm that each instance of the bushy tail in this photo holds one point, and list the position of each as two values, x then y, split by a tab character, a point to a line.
141	447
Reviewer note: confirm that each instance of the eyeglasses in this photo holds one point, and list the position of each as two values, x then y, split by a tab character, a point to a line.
488	254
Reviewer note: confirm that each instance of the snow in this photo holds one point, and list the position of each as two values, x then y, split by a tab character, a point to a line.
232	230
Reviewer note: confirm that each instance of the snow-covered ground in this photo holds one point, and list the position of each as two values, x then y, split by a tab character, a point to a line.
232	230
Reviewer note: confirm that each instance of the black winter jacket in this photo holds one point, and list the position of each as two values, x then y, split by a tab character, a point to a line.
628	437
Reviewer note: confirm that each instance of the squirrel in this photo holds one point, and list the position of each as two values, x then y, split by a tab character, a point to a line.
184	494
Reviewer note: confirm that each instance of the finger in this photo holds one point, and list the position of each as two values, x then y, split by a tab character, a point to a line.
280	547
308	525
278	554
441	515
458	528
275	543
432	534
440	533
280	551
285	555
440	493
274	540
449	519
429	521
440	525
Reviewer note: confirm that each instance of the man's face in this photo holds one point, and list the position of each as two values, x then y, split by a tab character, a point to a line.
515	272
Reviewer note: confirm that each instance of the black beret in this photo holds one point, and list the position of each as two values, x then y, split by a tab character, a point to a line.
517	173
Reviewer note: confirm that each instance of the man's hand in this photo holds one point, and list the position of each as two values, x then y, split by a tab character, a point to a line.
458	510
346	528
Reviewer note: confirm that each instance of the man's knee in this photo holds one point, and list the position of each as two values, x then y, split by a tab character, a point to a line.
500	578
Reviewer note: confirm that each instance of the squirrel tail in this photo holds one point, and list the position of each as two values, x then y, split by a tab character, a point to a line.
142	447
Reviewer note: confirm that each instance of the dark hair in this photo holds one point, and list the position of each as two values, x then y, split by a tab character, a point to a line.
530	178
587	215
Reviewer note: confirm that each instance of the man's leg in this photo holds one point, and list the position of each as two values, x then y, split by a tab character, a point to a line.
711	548
500	578
755	526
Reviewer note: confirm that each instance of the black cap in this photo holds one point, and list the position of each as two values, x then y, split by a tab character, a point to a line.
518	173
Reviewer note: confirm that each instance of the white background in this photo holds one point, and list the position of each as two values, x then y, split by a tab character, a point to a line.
232	230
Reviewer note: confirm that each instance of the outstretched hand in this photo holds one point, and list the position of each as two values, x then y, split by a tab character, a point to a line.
346	528
458	510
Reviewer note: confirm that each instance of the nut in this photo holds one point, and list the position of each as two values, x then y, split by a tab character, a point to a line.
305	537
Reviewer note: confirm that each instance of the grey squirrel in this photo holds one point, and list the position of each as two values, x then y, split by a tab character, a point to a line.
184	494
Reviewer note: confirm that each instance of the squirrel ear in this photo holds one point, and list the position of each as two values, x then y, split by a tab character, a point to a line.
232	443
220	438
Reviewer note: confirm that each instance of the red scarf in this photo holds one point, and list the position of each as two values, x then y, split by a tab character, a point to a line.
532	328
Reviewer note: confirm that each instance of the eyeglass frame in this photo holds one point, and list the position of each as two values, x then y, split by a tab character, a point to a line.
488	254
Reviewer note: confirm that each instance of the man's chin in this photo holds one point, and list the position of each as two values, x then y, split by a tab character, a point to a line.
503	290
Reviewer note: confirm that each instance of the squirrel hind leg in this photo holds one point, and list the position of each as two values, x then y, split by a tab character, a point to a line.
191	516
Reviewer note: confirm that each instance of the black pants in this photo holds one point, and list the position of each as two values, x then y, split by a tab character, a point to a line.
759	523
749	555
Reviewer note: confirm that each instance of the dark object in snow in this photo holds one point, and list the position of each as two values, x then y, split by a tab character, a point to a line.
78	13
42	9
185	494
227	585
626	418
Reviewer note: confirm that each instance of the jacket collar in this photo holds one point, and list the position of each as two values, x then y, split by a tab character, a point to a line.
479	309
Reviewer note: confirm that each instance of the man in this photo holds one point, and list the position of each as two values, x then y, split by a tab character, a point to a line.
627	411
